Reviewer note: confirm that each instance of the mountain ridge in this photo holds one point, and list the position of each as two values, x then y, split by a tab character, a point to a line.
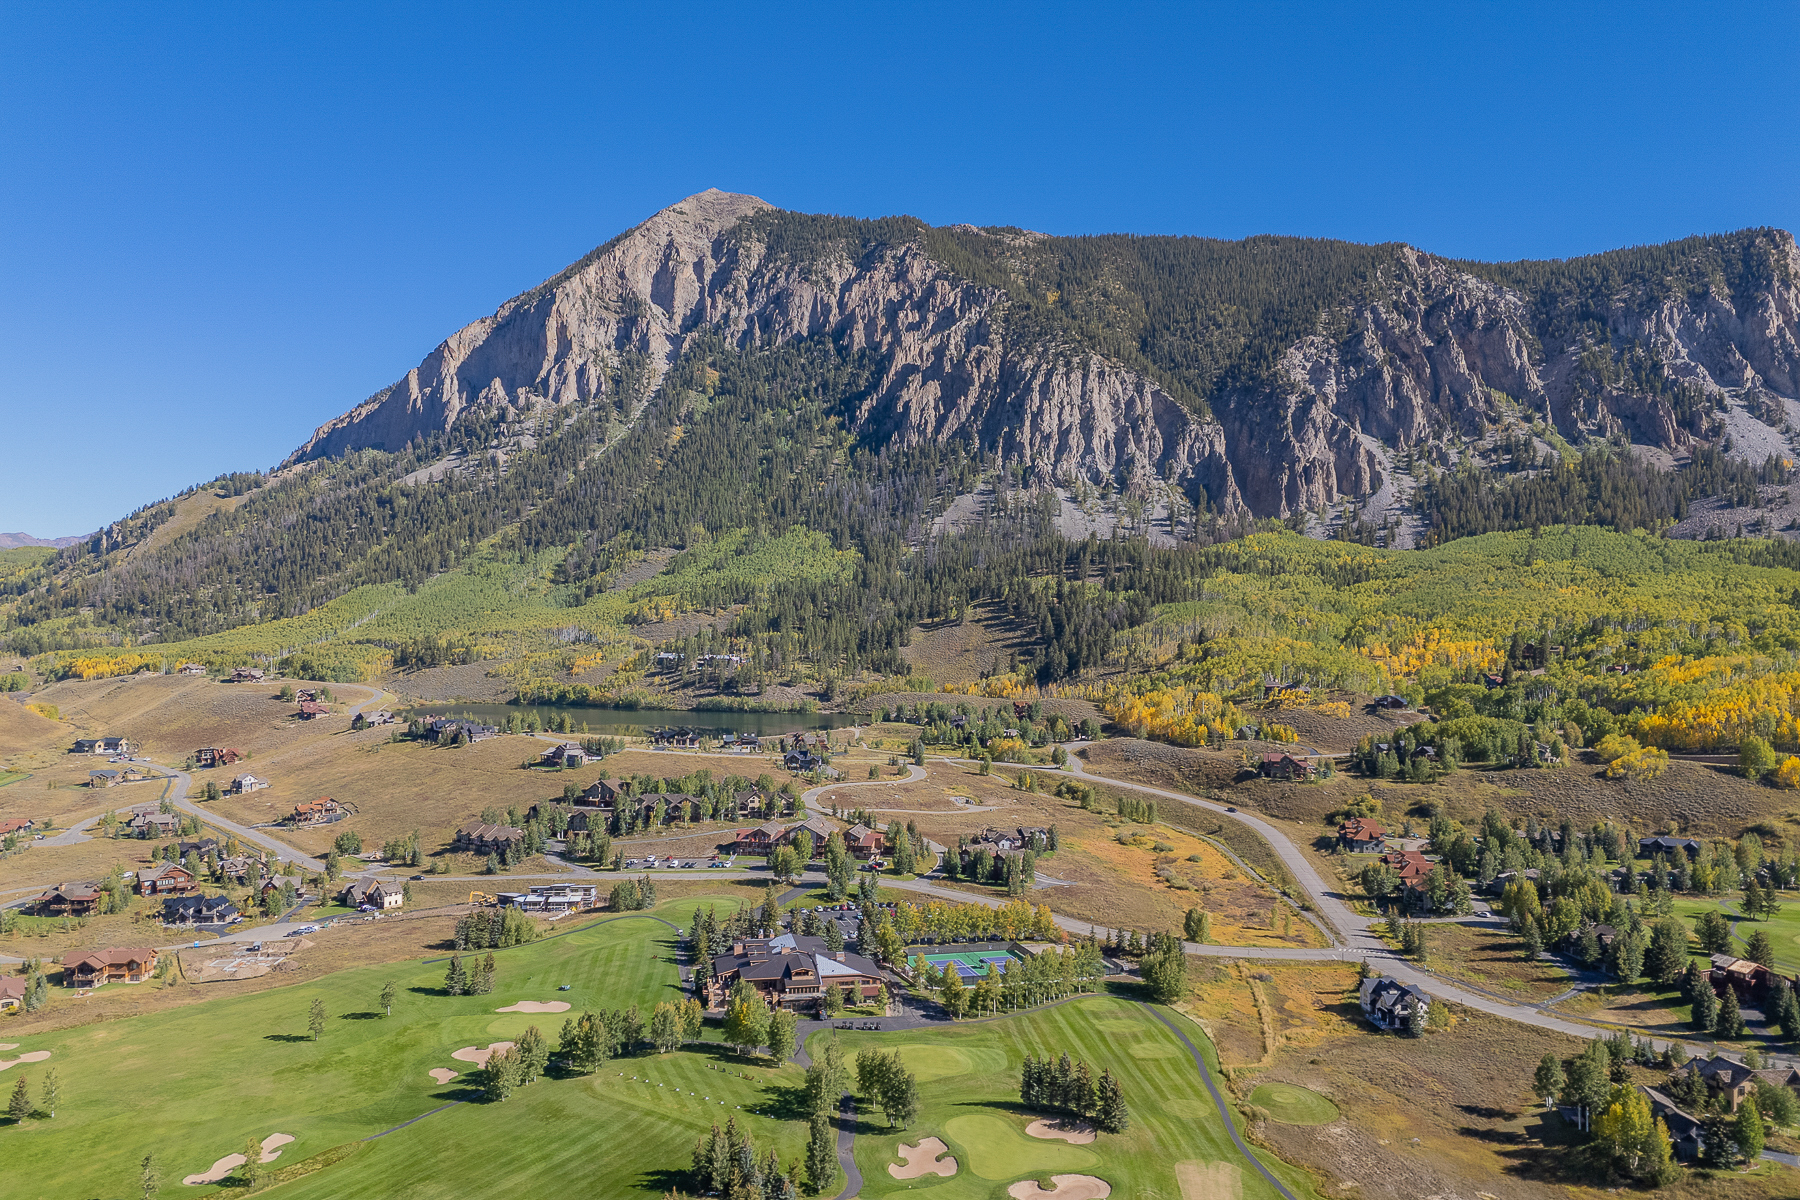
1024	344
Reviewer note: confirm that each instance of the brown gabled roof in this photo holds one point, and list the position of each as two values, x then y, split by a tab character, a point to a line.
119	956
1362	829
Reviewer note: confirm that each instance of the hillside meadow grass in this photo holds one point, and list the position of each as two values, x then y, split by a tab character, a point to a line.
968	1078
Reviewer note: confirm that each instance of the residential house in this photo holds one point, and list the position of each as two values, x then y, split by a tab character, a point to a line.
237	868
1499	882
311	710
164	878
245	675
305	694
14	825
1005	843
1287	766
1408	864
12	992
1743	976
216	756
761	840
792	971
566	755
446	729
103	745
199	910
863	842
377	893
154	824
190	669
379	717
553	898
1686	1133
1390	702
1667	845
121	965
74	899
679	736
109	777
1729	1080
200	846
481	838
801	761
246	783
1389	1003
1360	835
322	811
602	793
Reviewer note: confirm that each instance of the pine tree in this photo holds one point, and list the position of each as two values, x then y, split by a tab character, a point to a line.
1730	1019
821	1154
1549	1079
1787	1014
454	981
1705	1013
20	1106
315	1019
1112	1116
52	1092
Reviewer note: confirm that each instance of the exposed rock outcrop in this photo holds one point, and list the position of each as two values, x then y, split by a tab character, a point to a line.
1440	356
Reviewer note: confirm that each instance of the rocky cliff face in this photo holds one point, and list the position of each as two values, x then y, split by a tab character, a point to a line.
1433	363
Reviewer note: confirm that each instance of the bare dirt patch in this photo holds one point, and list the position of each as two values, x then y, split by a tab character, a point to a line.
1065	1187
1063	1129
926	1158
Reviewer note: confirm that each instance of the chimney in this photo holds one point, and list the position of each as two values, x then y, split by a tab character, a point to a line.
839	956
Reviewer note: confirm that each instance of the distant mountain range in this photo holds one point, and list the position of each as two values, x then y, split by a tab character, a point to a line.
12	541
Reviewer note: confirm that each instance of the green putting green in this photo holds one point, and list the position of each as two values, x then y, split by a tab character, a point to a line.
934	1062
997	1148
1292	1104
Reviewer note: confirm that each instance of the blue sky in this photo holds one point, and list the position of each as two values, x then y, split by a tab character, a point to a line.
225	225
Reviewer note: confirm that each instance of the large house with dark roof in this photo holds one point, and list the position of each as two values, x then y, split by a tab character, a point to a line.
75	899
792	971
482	838
199	910
1389	1003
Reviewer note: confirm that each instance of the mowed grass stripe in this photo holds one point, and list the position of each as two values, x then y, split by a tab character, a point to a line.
1173	1117
191	1084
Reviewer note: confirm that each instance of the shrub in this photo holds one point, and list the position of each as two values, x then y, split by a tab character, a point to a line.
1646	762
1615	746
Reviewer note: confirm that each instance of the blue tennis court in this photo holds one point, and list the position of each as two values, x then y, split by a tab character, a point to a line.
971	964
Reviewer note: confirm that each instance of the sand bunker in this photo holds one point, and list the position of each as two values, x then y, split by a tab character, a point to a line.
442	1074
1209	1180
1066	1187
1066	1129
923	1159
9	1045
470	1054
271	1150
536	1006
29	1056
